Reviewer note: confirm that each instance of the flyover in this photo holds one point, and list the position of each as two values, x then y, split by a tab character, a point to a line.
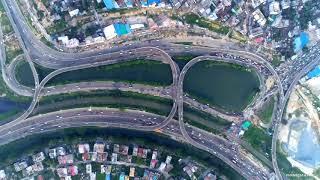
180	106
67	59
166	58
130	119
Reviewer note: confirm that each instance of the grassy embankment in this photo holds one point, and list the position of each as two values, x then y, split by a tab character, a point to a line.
129	100
265	114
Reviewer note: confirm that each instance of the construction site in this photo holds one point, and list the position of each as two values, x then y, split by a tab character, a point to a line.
300	132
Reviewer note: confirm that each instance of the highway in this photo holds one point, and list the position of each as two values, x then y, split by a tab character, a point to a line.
64	62
184	130
129	119
294	75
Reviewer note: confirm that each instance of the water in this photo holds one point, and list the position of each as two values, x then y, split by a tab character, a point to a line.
226	86
308	148
150	72
7	105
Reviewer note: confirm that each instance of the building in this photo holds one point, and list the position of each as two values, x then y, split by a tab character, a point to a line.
18	166
154	155
153	163
62	172
114	157
72	170
106	169
168	159
162	166
122	28
2	175
38	157
52	153
285	4
190	169
99	157
110	4
124	150
74	12
255	32
109	32
245	125
210	176
98	147
259	17
116	148
301	41
136	26
88	168
274	8
256	3
132	172
64	39
66	159
72	43
83	148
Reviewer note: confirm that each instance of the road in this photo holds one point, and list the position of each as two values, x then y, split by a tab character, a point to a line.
184	131
64	62
129	119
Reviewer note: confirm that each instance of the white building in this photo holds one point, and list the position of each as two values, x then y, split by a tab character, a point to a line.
274	8
63	39
136	26
256	3
109	32
2	175
74	12
259	17
72	43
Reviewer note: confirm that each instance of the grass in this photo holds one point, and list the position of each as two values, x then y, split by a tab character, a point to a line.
4	20
276	60
184	43
128	100
182	60
11	53
58	26
5	90
317	172
258	139
23	74
265	114
194	19
112	99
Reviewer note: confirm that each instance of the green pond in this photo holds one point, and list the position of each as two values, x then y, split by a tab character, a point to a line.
137	71
228	87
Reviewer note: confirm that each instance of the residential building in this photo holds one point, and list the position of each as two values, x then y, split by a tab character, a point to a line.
38	157
66	159
2	175
18	166
132	172
83	148
259	17
274	8
98	147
